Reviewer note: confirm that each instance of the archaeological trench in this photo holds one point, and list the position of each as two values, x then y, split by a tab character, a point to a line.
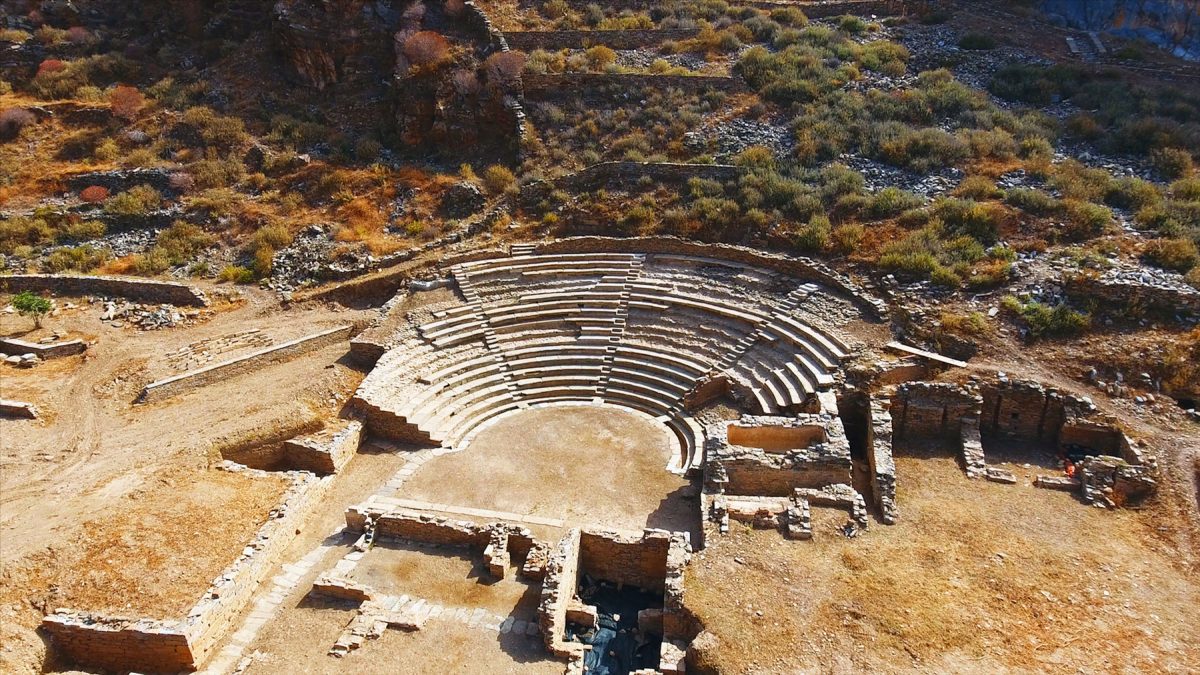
748	379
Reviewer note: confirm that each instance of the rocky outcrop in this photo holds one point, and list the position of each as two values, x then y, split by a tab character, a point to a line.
1173	25
324	42
451	84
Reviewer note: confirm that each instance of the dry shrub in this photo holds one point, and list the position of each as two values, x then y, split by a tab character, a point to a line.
126	102
465	82
504	69
94	194
360	220
51	66
426	50
12	121
455	8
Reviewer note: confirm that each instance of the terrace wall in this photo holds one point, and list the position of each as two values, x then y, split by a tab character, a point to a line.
141	290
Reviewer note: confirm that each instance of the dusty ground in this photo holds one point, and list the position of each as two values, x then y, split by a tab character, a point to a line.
588	465
157	551
976	577
95	456
445	575
441	647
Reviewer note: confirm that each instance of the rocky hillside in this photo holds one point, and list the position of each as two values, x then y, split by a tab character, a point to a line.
1173	25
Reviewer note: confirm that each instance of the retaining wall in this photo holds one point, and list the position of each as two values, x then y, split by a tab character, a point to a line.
172	386
18	409
45	351
141	290
593	84
579	39
932	410
1137	299
635	561
813	10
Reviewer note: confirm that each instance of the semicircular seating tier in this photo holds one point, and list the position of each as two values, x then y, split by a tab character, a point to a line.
640	331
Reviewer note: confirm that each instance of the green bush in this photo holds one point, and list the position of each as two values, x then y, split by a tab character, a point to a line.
966	217
217	173
236	274
814	237
1172	163
182	240
83	230
138	201
1086	220
1044	321
77	258
1034	202
1132	193
977	42
29	304
1180	255
1186	189
891	201
24	231
919	150
212	130
498	179
979	188
847	237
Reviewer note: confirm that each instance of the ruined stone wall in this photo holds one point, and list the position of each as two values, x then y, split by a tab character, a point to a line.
1134	298
432	530
880	461
832	8
813	10
579	39
558	589
324	452
119	645
931	411
171	386
804	269
46	351
749	477
1027	410
634	561
593	84
141	290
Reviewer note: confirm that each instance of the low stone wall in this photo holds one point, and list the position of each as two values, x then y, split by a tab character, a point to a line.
18	409
1124	295
639	561
594	84
172	386
580	39
932	411
326	451
609	174
118	644
1027	410
804	269
141	290
880	461
52	350
741	470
